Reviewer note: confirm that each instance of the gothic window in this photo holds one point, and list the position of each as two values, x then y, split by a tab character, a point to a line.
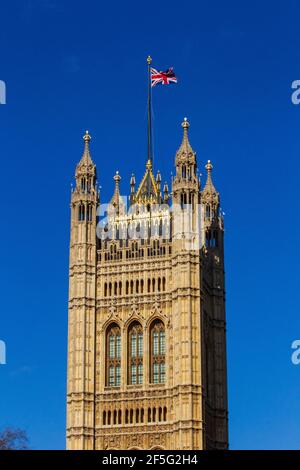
90	213
135	354
157	352
207	211
113	356
208	239
89	185
81	213
215	238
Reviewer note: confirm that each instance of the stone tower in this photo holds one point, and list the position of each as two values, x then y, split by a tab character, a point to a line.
147	345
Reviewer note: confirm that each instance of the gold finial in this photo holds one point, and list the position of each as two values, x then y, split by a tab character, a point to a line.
208	166
117	177
149	60
87	136
149	165
185	124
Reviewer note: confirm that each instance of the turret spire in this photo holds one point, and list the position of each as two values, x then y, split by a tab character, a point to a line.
117	200
86	169
86	157
209	186
185	149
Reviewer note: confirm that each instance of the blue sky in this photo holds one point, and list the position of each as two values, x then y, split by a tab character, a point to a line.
72	66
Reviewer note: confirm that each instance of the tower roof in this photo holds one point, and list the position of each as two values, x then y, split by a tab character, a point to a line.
86	159
185	151
209	188
148	192
117	200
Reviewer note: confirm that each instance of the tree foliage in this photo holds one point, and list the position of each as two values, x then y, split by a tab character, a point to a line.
13	439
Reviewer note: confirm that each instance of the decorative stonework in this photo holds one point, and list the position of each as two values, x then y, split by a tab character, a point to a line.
158	289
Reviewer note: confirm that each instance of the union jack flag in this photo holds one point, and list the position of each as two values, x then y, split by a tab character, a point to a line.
165	78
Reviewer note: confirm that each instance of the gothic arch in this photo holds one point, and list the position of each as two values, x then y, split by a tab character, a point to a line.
134	317
113	318
156	317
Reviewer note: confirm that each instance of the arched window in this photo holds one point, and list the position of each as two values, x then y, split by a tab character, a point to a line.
81	213
135	354
157	352
113	356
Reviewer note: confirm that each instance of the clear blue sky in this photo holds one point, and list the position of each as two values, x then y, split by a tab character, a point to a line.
71	66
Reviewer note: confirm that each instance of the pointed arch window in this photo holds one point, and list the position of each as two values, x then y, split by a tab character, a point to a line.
113	356
157	352
81	213
135	354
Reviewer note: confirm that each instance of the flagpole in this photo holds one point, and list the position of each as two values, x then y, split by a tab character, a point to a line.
149	60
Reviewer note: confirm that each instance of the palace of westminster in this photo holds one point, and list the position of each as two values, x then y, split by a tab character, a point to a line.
146	325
